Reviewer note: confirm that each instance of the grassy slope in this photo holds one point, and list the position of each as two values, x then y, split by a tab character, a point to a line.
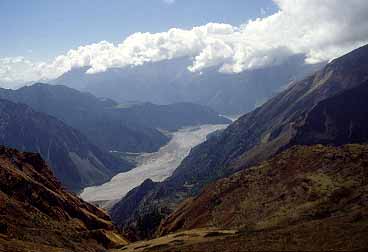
306	198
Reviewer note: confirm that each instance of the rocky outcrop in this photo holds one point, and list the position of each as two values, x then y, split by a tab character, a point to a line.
338	120
38	215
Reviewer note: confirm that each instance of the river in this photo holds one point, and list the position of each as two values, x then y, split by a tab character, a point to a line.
157	166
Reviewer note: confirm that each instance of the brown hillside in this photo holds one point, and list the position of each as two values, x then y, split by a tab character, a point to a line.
306	198
37	214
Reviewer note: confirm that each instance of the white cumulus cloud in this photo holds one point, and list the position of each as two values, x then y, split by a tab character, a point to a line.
18	69
320	29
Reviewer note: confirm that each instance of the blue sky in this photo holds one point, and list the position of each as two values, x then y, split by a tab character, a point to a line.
43	39
43	29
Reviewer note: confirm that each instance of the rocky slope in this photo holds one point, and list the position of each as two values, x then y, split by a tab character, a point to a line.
109	125
73	159
38	215
302	184
253	138
305	199
338	120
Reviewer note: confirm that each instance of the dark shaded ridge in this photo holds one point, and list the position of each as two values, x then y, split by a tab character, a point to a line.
74	160
338	120
109	125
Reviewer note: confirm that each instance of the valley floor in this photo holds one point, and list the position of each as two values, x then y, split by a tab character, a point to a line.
156	166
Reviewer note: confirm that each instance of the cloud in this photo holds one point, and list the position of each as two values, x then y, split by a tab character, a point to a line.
18	69
169	1
320	29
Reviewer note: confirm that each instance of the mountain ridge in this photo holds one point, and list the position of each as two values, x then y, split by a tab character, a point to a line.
101	120
74	160
87	114
253	138
170	81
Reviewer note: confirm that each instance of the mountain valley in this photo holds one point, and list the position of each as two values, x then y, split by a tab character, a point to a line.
183	126
253	138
